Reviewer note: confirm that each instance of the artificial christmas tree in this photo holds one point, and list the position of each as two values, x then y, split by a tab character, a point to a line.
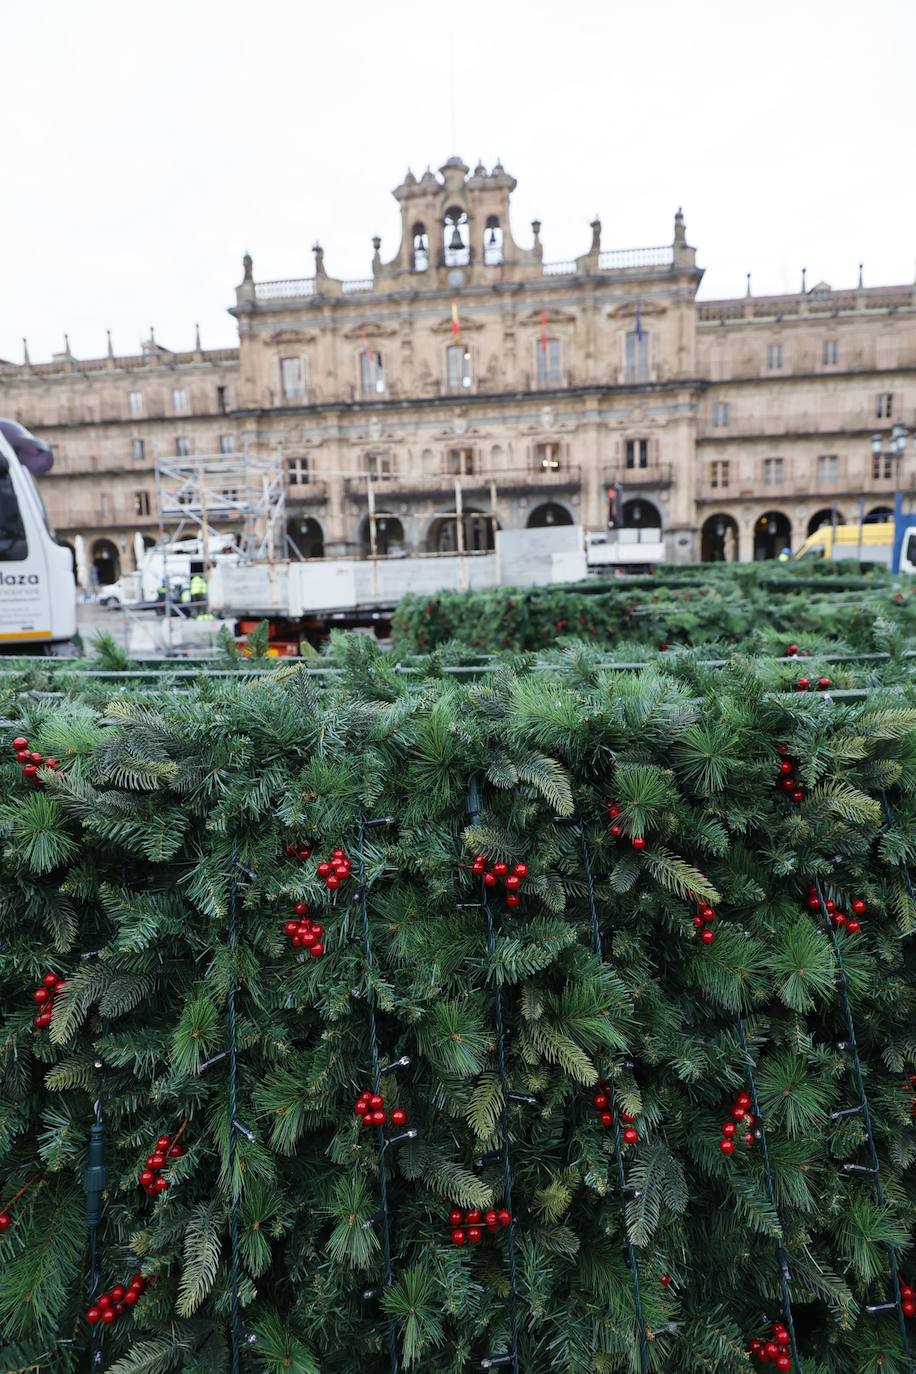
152	874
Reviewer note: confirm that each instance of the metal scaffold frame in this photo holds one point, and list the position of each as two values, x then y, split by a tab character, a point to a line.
245	487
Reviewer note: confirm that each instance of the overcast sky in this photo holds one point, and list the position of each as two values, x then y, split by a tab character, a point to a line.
146	147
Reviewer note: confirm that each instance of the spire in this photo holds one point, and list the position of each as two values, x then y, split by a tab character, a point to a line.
110	348
197	347
861	282
804	285
67	353
152	337
27	361
748	291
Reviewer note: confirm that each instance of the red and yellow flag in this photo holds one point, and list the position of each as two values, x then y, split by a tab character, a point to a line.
455	327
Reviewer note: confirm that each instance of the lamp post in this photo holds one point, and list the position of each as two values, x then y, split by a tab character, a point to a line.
895	452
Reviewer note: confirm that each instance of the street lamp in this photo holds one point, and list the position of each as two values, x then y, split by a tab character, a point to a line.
894	453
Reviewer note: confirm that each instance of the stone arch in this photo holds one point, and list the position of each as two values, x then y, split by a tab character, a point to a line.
442	536
824	517
106	562
492	241
639	514
719	539
879	515
389	535
772	534
306	537
419	240
549	513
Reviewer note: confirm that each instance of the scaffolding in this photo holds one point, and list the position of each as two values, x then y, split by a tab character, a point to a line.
244	490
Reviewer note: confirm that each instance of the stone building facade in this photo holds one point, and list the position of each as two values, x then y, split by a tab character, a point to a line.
556	392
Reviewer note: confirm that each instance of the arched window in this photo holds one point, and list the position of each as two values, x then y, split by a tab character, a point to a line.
492	242
772	535
641	514
371	372
420	247
478	527
549	514
548	361
719	539
827	516
457	242
388	535
306	537
879	515
106	565
458	363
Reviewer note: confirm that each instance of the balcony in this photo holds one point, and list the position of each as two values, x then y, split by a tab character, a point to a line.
635	479
311	493
765	425
418	486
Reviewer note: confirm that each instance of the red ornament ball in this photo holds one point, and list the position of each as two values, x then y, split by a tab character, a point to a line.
823	682
504	1216
474	1234
798	795
630	1136
147	1177
665	1280
472	1216
783	1362
131	1297
92	1316
521	870
458	1236
616	831
729	1128
853	927
726	1146
743	1099
20	742
398	1116
513	899
600	1101
5	1221
859	907
638	842
455	1218
707	936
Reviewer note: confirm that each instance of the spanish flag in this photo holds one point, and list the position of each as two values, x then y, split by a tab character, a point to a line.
455	329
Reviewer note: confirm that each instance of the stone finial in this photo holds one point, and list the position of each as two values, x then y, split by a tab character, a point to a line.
804	285
67	353
480	170
152	337
861	279
410	179
110	346
247	267
680	228
595	227
319	259
197	347
25	353
748	291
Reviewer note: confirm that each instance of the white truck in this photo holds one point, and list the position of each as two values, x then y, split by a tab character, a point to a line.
37	581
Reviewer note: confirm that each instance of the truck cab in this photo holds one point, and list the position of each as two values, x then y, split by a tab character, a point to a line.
37	582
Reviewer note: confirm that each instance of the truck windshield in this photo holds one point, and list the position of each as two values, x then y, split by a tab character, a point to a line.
13	544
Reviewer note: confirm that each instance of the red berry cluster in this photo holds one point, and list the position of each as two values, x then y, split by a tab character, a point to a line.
300	851
614	813
774	1349
839	918
702	919
6	1221
335	870
602	1105
303	932
787	780
31	760
804	684
109	1306
370	1108
907	1300
742	1115
792	651
470	1225
511	876
151	1178
44	995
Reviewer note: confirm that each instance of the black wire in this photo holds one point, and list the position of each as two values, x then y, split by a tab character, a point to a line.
866	1111
376	1083
474	806
615	1103
235	1332
782	1263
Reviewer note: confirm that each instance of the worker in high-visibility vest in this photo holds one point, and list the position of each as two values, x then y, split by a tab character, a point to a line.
198	587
